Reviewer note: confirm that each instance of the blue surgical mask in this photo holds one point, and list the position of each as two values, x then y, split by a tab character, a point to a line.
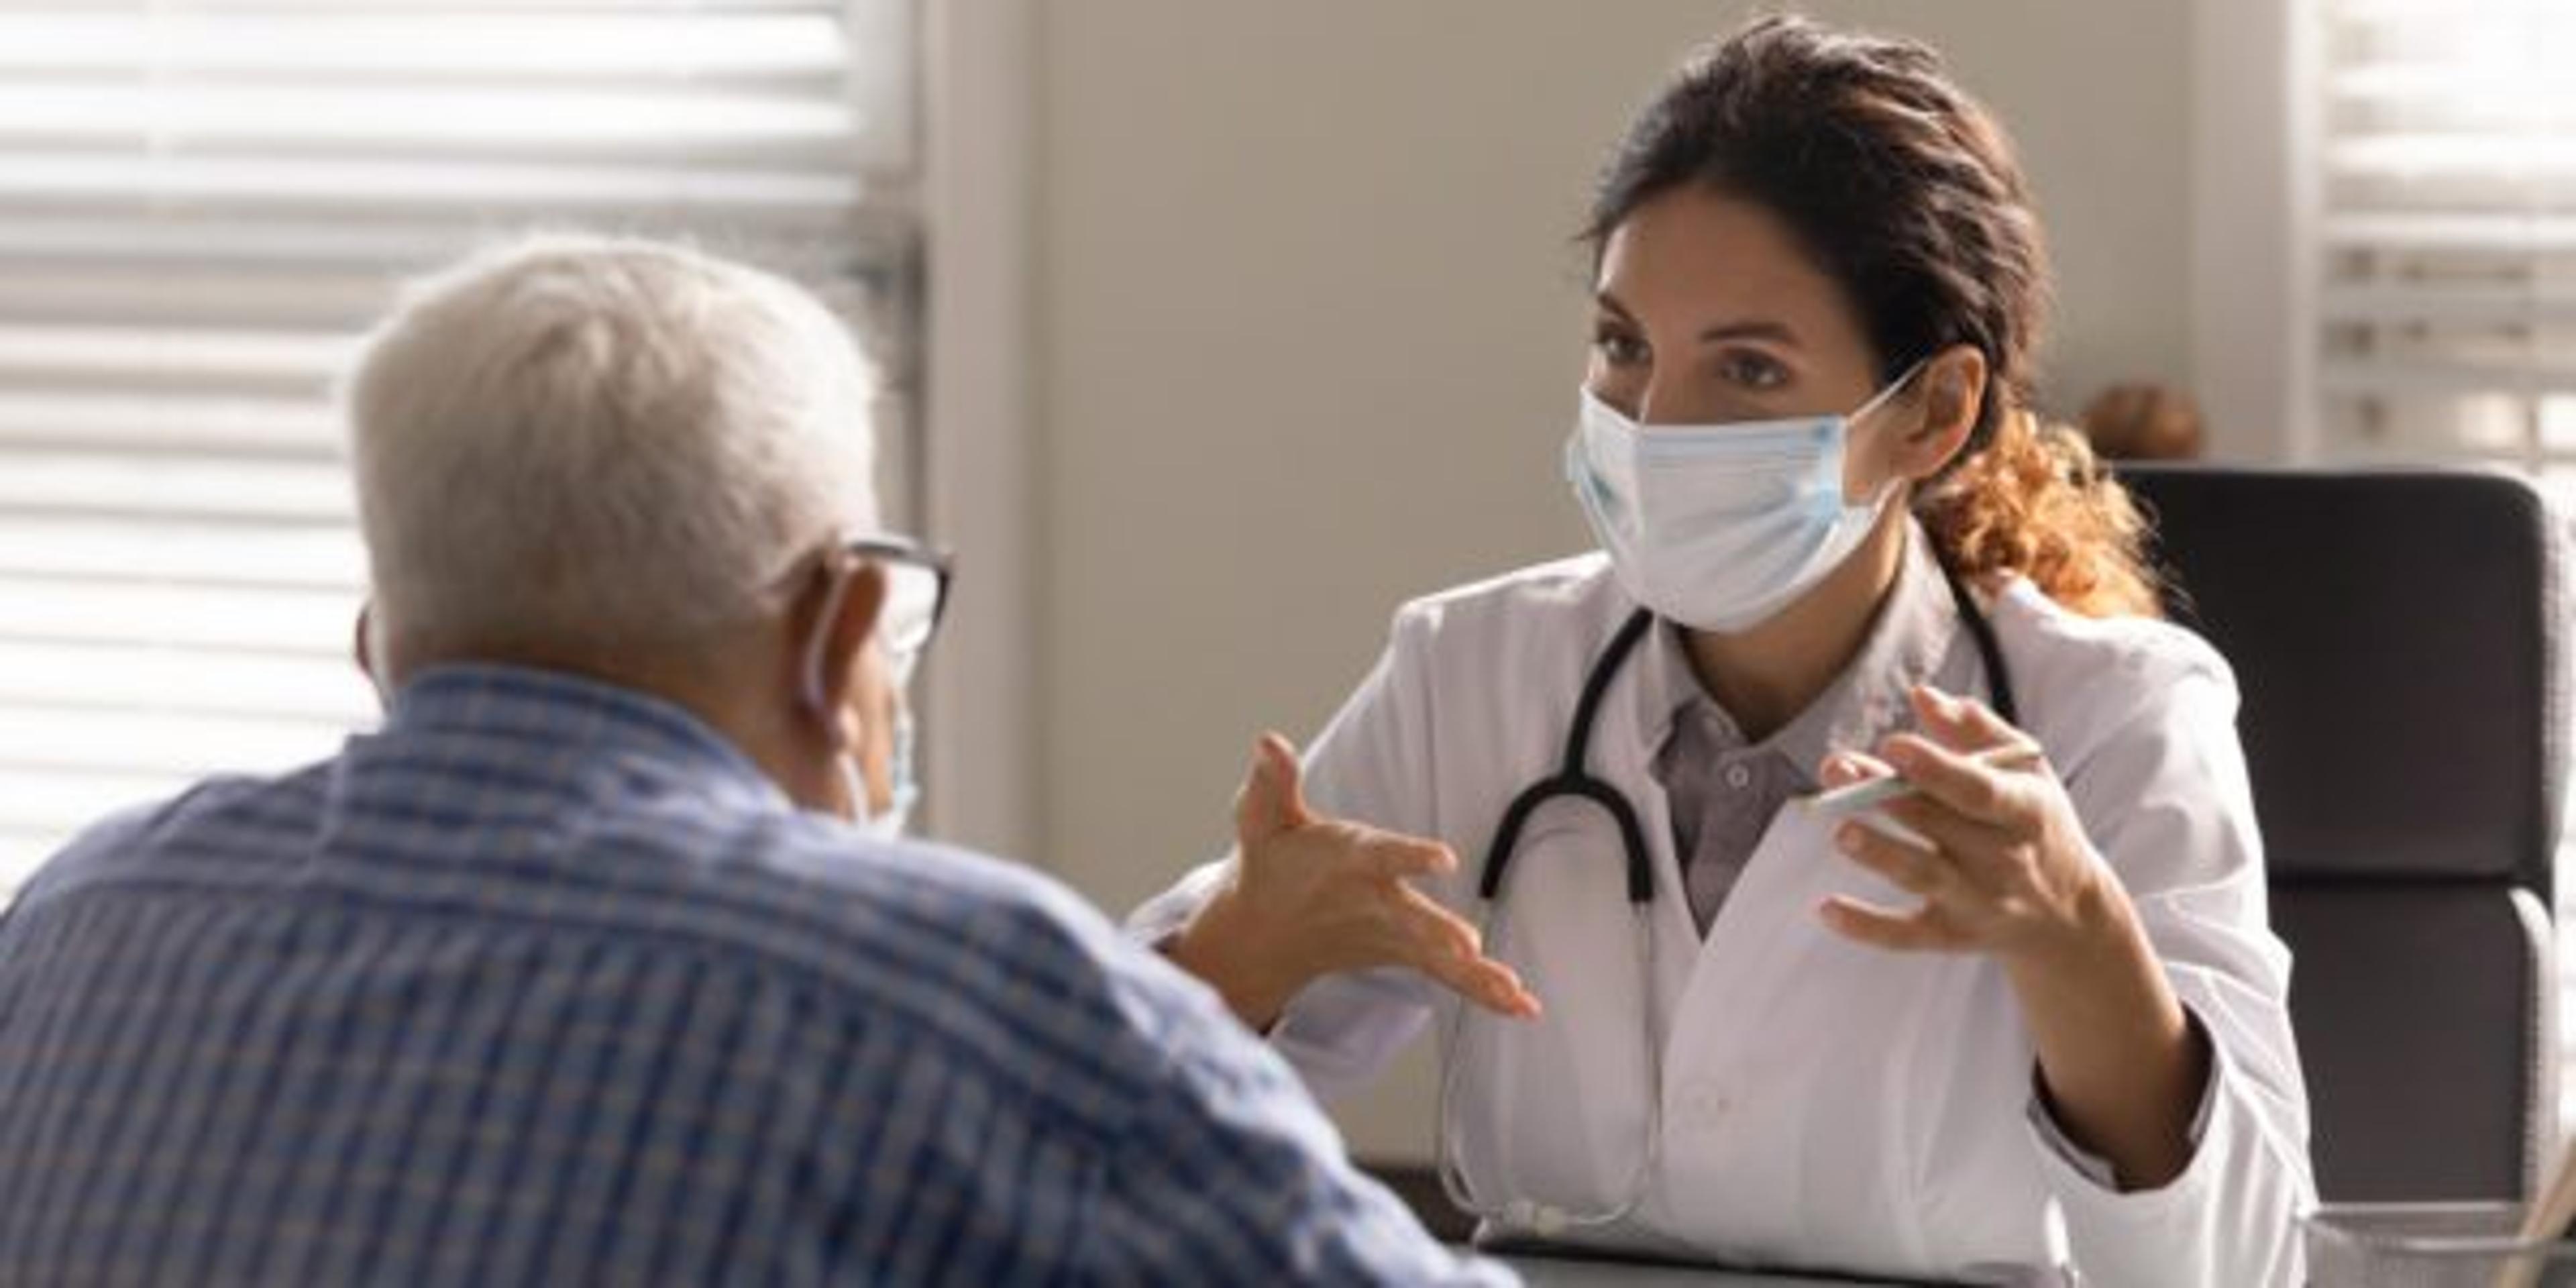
890	824
906	784
1719	527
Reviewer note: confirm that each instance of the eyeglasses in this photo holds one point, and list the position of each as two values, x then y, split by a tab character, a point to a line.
916	594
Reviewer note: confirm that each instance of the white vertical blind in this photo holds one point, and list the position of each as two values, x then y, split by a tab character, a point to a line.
2447	289
2447	267
202	202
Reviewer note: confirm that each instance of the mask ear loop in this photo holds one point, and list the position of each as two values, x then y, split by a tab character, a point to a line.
1880	398
1888	491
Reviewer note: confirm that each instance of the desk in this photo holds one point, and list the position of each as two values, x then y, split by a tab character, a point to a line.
1541	1270
1558	1272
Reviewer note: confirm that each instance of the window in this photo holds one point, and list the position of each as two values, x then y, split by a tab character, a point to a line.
202	202
2443	265
2447	228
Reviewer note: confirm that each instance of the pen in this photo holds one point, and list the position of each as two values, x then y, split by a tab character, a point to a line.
1856	798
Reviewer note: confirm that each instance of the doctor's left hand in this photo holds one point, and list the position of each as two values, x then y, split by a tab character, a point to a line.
2009	870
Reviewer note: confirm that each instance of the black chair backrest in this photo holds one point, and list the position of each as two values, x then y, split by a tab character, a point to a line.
2399	641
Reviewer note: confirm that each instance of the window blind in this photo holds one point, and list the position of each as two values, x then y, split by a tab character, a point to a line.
2447	222
204	202
2447	284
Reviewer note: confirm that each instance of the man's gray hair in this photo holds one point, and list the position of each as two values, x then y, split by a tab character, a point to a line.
589	443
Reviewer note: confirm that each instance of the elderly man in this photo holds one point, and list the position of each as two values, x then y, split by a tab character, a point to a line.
598	963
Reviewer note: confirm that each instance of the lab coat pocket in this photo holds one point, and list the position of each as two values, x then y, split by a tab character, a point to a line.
1967	1161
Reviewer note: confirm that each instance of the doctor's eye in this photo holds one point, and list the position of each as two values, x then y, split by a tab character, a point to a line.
1753	370
1618	347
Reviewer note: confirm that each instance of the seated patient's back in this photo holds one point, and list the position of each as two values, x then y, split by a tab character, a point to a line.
546	984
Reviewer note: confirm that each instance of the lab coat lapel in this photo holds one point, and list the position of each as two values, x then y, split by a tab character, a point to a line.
1771	1111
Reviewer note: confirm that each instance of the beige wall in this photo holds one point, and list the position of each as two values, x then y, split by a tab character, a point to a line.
1308	326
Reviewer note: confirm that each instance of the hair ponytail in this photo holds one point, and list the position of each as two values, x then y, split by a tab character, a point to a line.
2035	502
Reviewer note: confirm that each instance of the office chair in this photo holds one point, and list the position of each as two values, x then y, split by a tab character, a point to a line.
2400	641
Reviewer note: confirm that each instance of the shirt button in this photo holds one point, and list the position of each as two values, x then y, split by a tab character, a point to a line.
1703	1105
1738	777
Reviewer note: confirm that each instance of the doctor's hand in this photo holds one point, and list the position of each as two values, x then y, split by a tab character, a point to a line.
1310	896
2008	870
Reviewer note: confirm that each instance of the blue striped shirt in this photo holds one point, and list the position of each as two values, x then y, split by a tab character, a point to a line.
546	983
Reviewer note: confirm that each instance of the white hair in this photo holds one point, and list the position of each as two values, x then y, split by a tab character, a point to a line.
588	443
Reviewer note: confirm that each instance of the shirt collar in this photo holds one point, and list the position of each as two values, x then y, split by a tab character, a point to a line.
1866	702
586	726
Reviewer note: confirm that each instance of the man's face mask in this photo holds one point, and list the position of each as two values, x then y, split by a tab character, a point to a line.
915	596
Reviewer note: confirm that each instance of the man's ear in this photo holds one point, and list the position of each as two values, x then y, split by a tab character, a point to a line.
834	617
362	649
1951	390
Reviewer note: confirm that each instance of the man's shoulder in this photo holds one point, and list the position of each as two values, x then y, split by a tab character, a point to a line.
997	967
239	811
927	905
970	949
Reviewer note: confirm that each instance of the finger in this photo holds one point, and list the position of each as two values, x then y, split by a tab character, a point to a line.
1398	858
1843	768
1984	794
1972	846
1898	932
1273	797
1907	867
1485	982
1443	945
1963	723
1429	929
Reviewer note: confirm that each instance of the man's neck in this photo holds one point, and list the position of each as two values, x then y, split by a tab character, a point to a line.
726	684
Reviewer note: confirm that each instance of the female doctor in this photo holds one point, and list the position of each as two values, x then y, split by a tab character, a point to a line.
2027	1016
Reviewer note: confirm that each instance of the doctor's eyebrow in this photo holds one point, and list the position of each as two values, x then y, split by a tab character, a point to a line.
1748	329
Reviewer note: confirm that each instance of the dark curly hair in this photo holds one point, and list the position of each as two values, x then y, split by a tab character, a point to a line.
1906	192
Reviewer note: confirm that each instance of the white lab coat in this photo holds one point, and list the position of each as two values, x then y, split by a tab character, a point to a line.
1824	1104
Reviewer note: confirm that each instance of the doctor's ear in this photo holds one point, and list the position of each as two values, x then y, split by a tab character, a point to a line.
831	622
1948	392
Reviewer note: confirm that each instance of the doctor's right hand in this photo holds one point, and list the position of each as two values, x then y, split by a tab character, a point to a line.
1310	896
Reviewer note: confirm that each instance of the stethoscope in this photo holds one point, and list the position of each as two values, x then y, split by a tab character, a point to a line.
1573	781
